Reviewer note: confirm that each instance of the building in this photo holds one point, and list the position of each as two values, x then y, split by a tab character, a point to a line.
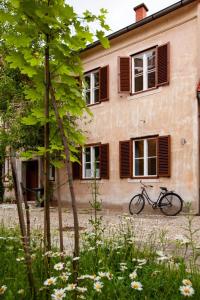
143	96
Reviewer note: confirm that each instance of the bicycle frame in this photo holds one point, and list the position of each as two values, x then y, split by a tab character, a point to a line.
149	200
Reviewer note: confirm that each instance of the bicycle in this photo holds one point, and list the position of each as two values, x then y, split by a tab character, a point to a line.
168	202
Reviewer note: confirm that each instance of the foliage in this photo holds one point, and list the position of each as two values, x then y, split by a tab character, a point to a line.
26	26
122	260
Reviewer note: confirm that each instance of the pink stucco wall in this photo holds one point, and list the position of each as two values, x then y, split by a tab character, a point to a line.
167	110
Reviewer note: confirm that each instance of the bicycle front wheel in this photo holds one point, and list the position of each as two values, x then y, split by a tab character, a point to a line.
136	204
171	204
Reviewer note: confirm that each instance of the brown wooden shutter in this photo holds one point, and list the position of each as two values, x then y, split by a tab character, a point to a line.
77	167
125	159
104	161
104	83
164	156
163	65
124	74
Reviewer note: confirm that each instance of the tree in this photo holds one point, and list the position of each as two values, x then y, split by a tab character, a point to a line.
45	38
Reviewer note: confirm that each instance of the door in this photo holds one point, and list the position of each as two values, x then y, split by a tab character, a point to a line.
31	178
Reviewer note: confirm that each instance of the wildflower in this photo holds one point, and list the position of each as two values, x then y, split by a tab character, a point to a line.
59	266
142	261
81	289
3	288
136	285
187	282
109	275
50	281
70	287
20	259
98	286
87	277
91	248
182	239
186	290
133	275
20	292
64	277
59	294
76	258
123	267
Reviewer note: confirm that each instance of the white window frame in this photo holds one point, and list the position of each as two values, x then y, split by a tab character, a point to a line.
92	162
144	55
145	141
52	174
92	87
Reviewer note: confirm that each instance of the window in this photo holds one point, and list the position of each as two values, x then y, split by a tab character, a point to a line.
91	162
6	170
51	173
145	157
144	70
92	87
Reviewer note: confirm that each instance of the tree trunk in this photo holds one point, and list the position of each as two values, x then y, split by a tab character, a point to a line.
47	232
60	215
70	182
28	228
23	231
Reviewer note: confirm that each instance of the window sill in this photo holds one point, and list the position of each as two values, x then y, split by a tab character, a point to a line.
145	93
145	180
90	181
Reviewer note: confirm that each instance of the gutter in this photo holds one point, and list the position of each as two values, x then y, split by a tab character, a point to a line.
142	22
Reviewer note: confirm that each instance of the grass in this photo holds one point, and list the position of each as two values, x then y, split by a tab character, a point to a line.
106	265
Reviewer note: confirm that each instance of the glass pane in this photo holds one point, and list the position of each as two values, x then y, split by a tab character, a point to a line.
151	147
96	150
138	63
138	83
139	149
88	154
87	81
151	80
97	169
151	60
88	170
96	79
152	166
96	95
87	96
139	167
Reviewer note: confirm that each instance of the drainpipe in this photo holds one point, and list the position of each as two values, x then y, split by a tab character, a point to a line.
198	98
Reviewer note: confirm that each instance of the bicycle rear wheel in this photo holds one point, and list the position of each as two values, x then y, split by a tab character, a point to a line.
171	204
136	204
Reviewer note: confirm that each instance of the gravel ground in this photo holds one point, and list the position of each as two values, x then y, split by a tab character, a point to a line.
144	224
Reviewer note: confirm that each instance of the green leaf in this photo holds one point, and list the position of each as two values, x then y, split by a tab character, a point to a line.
103	40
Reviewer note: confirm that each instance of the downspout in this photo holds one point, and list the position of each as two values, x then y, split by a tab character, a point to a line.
198	132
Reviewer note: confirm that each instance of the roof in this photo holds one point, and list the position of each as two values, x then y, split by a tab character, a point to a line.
142	22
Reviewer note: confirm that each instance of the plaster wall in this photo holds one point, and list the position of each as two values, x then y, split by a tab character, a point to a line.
169	110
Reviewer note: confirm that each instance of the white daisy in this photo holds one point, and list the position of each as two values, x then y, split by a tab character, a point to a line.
59	266
187	282
3	288
70	287
81	289
98	286
136	285
59	294
133	275
186	290
50	281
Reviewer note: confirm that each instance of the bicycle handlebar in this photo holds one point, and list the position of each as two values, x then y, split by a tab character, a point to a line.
146	186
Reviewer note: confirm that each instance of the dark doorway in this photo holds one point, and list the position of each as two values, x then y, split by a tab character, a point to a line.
31	178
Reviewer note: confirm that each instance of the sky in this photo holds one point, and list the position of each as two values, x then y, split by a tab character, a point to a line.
120	12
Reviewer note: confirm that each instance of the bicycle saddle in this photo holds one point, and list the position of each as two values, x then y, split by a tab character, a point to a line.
163	188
